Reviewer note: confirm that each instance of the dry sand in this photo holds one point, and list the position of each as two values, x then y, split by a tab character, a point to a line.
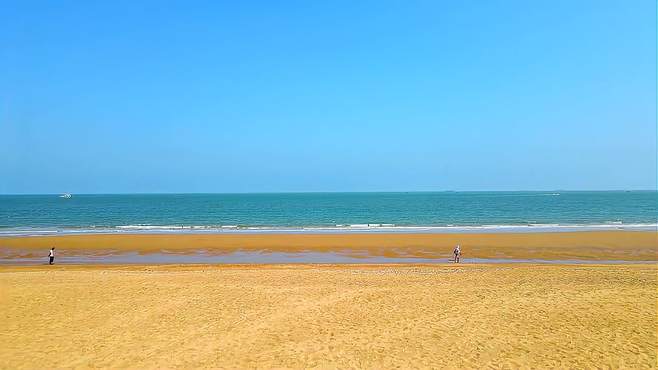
608	245
347	316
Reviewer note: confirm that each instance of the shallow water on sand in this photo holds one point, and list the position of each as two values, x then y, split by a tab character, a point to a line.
261	257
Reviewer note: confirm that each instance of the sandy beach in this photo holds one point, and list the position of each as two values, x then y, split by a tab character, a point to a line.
605	245
331	316
334	316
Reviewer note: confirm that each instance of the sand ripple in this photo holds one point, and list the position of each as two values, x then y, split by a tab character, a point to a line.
329	316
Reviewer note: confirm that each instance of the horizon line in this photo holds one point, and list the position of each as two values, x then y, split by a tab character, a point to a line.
344	192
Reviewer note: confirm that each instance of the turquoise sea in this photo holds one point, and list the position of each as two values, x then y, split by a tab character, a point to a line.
329	212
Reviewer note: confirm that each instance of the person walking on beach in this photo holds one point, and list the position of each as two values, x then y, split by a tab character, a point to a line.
51	256
457	252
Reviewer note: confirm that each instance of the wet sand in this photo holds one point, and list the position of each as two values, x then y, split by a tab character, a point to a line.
592	246
345	316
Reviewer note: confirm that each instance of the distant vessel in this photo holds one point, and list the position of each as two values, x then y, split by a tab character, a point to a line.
66	196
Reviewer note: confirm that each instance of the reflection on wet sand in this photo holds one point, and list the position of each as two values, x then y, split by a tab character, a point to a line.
334	248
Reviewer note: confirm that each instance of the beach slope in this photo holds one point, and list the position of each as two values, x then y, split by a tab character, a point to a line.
601	246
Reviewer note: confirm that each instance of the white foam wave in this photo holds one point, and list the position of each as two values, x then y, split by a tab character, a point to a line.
338	228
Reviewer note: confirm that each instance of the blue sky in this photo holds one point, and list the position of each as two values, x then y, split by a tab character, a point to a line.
105	97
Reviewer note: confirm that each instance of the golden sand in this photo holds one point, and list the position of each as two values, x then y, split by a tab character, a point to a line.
349	316
608	245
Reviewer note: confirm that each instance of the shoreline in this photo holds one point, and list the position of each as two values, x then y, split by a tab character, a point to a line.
337	229
587	246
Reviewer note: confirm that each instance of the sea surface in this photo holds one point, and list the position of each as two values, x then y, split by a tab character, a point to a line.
330	212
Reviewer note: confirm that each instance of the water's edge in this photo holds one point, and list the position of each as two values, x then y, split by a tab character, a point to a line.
348	229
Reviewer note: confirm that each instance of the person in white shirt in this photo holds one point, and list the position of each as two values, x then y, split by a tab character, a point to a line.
457	252
51	256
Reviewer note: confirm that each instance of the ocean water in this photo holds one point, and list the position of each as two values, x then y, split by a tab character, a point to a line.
329	212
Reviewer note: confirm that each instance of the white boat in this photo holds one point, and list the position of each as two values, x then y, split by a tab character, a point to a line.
66	196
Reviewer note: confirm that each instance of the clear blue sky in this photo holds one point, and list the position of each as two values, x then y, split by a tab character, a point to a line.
239	96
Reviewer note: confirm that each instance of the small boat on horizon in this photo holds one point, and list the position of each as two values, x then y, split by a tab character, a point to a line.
66	196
